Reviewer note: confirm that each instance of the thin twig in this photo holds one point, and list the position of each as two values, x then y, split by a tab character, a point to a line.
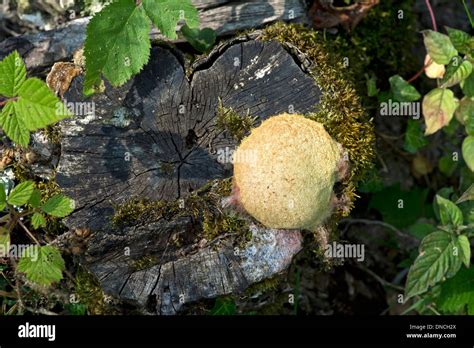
29	233
382	281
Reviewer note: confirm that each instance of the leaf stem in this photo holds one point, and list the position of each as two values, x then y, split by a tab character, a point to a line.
468	13
433	19
28	232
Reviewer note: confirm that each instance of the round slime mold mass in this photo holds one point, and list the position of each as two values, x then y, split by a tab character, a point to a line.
285	170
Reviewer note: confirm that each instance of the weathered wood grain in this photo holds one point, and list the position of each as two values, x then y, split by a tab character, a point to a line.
41	50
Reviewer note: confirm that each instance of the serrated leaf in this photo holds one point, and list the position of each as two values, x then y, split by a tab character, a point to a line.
12	74
166	14
402	90
117	44
42	264
468	195
201	40
38	220
35	108
467	86
439	46
414	137
437	259
456	71
3	197
13	126
21	193
468	151
465	111
449	213
465	247
59	206
457	293
438	109
35	199
223	306
460	40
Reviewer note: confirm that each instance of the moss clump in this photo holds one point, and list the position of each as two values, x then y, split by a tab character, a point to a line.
143	263
90	293
236	125
340	109
204	205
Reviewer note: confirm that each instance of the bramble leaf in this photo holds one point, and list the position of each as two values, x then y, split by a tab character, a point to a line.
461	40
166	14
414	137
35	108
42	264
12	75
21	193
201	40
449	213
457	71
38	220
59	206
117	44
457	293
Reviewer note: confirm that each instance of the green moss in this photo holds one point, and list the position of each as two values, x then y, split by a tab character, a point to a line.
143	263
53	134
204	205
340	109
266	285
89	292
235	124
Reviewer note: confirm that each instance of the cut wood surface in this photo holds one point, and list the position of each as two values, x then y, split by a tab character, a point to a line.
156	138
41	50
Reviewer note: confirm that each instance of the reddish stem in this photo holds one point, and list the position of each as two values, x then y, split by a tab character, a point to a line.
430	10
435	28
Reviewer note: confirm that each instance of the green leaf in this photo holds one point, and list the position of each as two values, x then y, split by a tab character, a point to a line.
439	46
467	86
166	14
371	83
402	90
401	208
457	293
42	264
38	220
35	199
59	206
201	40
468	151
465	111
437	259
456	71
467	196
21	193
449	213
466	249
447	166
438	109
420	230
36	107
223	306
117	44
12	74
460	40
13	125
3	197
414	137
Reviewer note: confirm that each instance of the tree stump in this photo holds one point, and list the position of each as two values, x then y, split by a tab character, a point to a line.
157	138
